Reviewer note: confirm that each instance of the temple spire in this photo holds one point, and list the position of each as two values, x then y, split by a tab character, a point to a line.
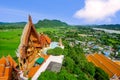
60	42
30	19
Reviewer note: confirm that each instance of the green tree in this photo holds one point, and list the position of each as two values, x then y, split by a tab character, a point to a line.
48	75
90	69
80	74
100	74
69	64
64	75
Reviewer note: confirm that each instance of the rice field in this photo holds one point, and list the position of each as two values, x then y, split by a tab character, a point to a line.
9	41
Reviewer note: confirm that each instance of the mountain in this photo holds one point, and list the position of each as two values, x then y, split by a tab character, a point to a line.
50	23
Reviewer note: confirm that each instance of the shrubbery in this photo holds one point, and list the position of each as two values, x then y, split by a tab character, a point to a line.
56	51
48	75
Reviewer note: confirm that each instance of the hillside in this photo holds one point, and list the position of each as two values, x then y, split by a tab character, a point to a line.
50	23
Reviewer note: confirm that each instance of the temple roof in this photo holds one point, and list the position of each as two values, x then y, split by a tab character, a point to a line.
27	32
31	38
29	35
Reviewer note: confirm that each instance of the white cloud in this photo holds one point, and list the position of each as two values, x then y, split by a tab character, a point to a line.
98	10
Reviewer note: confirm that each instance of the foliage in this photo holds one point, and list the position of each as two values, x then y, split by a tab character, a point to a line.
64	75
48	75
69	64
100	74
80	74
118	55
90	68
55	51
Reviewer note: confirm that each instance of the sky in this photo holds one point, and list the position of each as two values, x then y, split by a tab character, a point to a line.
74	12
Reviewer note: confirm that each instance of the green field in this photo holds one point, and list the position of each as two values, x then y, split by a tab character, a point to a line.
10	40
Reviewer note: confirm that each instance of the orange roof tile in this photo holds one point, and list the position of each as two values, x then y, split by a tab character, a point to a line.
6	66
106	64
4	78
2	69
2	60
8	71
12	62
117	62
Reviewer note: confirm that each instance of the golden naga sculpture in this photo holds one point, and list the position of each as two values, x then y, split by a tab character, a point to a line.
30	46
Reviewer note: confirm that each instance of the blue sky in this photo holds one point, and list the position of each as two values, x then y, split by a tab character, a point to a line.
70	11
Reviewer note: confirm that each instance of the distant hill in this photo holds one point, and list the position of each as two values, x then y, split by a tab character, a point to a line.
6	25
15	23
110	26
50	23
105	26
